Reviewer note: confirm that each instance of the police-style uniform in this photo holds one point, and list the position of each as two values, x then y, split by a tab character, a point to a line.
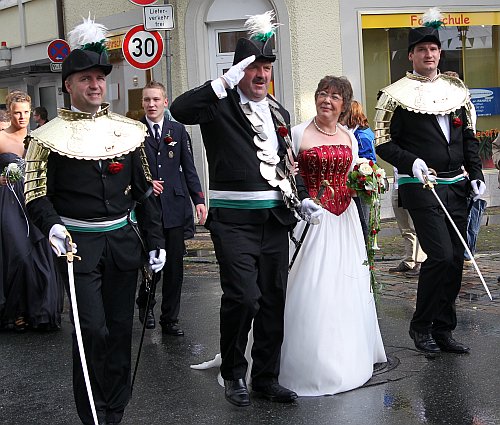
170	160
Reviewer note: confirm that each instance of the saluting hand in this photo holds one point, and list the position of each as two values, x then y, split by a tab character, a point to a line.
236	72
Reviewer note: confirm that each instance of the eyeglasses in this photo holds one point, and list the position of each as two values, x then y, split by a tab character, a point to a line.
335	97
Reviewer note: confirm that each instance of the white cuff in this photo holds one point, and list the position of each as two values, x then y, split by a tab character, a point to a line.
218	88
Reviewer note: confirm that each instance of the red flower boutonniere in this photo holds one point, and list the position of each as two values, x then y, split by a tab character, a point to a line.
168	138
282	131
457	122
115	167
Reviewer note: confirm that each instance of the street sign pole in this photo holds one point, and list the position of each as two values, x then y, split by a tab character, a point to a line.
168	63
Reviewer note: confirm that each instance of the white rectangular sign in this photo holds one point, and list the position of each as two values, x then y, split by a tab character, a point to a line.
56	67
159	17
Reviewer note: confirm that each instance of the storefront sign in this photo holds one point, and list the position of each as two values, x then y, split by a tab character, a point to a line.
412	20
486	100
115	42
159	17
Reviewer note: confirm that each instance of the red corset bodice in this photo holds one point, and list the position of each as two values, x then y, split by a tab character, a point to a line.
327	162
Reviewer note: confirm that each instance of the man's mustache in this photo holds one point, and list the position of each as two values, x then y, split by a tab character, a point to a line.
259	80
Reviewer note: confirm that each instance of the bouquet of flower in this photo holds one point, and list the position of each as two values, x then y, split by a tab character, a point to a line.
14	171
368	180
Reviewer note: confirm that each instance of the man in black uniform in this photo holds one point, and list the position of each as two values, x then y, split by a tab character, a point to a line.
423	122
86	172
246	136
174	180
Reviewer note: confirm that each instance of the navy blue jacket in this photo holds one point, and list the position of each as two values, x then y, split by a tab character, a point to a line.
172	162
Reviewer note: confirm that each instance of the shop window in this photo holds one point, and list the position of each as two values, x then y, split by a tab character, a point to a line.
470	50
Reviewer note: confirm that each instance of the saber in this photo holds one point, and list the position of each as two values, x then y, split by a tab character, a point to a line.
429	185
298	244
70	257
149	276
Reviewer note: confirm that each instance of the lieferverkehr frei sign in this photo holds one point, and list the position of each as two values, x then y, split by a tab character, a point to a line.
159	17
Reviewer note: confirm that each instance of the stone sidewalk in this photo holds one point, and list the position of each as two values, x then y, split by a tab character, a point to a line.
396	285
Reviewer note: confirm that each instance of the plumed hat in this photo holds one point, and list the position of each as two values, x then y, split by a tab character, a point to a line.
261	30
432	21
88	50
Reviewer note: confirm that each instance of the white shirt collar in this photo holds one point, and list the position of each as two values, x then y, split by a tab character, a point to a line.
262	104
151	124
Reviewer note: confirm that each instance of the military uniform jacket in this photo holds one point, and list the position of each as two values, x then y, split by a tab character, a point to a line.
231	153
87	190
418	135
172	162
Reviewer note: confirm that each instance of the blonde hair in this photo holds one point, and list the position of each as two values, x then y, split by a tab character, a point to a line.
17	96
156	85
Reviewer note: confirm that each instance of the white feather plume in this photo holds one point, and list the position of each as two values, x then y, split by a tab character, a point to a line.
259	25
87	32
431	16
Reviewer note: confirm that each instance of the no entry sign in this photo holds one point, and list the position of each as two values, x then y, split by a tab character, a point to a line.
142	49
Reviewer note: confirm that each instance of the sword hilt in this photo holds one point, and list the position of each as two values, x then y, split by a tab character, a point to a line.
429	184
70	256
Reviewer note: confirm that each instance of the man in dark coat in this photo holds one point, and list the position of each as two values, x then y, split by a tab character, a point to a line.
86	171
172	167
430	128
246	135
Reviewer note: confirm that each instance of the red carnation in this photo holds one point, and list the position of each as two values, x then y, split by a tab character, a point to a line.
457	122
168	139
371	163
115	167
282	131
374	231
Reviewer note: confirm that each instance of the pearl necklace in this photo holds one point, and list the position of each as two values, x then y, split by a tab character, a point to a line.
323	131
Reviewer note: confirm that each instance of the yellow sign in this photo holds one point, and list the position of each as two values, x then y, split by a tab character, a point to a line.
411	20
115	42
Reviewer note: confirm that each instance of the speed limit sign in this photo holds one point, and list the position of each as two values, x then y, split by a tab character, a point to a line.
142	49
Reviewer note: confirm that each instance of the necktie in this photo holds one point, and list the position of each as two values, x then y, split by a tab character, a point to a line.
157	133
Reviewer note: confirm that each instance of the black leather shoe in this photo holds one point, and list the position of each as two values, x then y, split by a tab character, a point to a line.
424	342
172	329
400	268
448	344
149	316
414	272
274	392
236	392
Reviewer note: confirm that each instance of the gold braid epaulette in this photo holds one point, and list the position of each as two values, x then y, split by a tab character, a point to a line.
35	180
384	110
441	95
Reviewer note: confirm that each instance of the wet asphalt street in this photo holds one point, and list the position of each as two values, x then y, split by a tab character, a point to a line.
35	368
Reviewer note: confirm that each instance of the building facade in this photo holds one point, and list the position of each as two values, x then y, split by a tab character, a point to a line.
357	38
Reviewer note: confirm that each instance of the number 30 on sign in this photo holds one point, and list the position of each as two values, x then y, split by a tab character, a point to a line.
142	49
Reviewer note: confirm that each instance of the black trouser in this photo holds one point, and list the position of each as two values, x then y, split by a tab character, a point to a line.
106	309
441	274
173	276
253	260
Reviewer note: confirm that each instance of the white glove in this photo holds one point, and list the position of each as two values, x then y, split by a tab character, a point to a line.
478	189
157	263
419	170
57	239
236	72
311	211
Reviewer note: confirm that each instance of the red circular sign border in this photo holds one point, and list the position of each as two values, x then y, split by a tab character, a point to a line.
50	44
143	2
126	52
